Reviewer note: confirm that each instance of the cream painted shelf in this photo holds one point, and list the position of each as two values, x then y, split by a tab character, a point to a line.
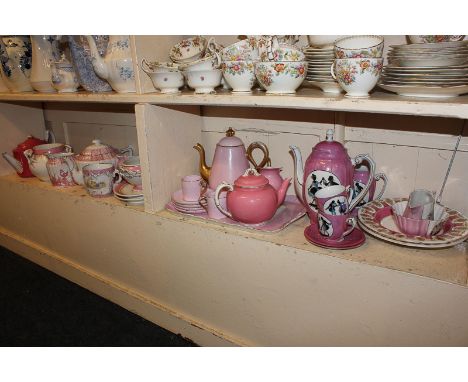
312	99
450	265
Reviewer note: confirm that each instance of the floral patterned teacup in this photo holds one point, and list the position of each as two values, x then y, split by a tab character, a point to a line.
240	75
99	179
283	53
359	47
357	76
281	77
188	50
244	50
204	81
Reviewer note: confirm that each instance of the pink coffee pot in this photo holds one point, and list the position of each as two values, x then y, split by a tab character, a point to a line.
328	165
230	159
252	200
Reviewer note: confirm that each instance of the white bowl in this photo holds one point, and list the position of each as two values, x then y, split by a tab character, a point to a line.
357	76
168	82
281	77
240	75
321	41
204	81
359	46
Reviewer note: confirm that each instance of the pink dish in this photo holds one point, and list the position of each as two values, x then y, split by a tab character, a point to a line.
355	239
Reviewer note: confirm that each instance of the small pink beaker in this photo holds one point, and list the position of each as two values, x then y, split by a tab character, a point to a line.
211	208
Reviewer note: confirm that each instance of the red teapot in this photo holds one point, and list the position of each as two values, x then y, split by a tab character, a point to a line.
18	160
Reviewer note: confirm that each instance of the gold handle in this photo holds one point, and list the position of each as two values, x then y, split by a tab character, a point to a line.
266	155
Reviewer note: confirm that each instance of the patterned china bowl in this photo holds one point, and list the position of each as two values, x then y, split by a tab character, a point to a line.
158	67
130	170
283	53
188	50
359	47
419	227
281	77
244	50
424	39
357	76
204	81
324	42
240	75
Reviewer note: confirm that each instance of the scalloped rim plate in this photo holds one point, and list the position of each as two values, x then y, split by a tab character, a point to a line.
426	91
371	216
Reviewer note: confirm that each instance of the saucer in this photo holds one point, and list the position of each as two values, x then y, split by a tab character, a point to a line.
178	198
127	190
355	239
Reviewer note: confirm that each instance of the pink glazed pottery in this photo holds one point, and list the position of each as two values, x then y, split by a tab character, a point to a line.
274	178
328	165
252	200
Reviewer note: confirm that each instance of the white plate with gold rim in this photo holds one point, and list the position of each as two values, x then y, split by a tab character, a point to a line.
426	91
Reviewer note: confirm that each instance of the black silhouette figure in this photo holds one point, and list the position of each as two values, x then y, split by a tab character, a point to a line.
314	187
324	227
331	181
342	205
332	207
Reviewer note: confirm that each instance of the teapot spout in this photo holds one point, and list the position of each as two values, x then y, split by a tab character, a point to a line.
99	65
298	172
13	162
203	168
282	191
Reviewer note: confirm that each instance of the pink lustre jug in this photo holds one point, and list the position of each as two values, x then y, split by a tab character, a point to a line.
328	165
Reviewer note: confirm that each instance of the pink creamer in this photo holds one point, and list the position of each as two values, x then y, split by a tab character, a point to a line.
328	165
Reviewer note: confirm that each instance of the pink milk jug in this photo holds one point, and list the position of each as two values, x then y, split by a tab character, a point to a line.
328	165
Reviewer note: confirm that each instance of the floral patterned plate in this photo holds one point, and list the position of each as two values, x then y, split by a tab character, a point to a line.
376	219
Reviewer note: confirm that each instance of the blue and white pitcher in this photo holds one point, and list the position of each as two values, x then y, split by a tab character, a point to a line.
16	61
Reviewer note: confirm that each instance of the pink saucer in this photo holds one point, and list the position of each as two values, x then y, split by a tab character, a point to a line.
355	239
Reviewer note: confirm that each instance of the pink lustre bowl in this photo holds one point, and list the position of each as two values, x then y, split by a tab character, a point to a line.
419	227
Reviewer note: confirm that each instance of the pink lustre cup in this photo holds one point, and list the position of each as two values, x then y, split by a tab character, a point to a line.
240	75
335	227
357	76
333	200
193	186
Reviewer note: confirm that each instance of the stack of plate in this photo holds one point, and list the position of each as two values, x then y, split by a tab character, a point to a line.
186	207
126	193
318	72
427	70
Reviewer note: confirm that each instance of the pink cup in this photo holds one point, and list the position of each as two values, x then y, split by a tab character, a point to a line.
335	227
192	187
212	209
333	200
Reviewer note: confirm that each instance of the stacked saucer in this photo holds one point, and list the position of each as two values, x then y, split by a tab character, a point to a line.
427	70
184	206
128	194
320	61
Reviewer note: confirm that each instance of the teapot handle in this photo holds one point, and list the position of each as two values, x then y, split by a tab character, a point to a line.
358	160
382	176
216	197
266	155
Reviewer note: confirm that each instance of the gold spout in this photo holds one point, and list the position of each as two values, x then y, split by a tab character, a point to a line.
204	169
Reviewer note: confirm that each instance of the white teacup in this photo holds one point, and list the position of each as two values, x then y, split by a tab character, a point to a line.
357	76
167	83
244	50
204	81
240	75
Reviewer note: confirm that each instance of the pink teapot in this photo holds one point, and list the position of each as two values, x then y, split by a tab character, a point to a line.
328	165
252	200
230	159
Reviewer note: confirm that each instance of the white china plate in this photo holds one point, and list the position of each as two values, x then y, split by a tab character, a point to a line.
434	45
429	62
126	190
320	79
426	91
386	229
424	69
425	75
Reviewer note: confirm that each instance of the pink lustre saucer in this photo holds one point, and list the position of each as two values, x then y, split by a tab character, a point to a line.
178	198
355	239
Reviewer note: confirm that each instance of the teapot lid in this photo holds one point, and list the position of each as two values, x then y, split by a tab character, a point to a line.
329	145
97	151
29	143
251	179
230	140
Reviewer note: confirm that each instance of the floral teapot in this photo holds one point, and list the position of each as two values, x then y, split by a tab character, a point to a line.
230	159
328	165
251	200
117	65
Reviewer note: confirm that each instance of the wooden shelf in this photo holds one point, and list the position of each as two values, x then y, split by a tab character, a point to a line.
379	102
450	265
